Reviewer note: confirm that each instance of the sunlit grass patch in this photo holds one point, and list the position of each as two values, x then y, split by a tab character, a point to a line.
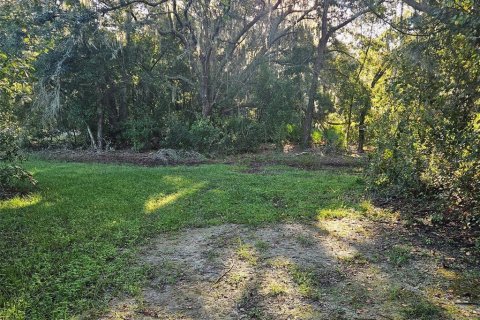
369	210
344	229
279	262
247	252
335	213
448	274
20	202
157	202
275	288
236	278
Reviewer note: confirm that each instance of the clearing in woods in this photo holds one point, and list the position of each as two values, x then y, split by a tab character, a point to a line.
217	241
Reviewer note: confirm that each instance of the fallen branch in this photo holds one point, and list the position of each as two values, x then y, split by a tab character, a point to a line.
468	303
223	274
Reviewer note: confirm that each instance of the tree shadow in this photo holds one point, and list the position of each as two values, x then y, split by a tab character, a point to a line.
269	272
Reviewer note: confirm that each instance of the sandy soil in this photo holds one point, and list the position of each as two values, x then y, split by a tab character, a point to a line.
336	269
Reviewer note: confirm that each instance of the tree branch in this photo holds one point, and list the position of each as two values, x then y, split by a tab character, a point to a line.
352	18
249	25
420	6
124	4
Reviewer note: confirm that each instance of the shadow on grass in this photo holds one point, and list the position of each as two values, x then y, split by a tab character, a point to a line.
263	273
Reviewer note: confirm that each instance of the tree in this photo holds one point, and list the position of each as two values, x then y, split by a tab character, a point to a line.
15	86
426	118
332	20
220	36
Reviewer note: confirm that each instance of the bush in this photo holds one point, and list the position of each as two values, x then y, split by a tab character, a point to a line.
176	133
204	136
317	137
233	135
52	139
142	133
293	133
241	135
427	135
391	169
13	178
334	138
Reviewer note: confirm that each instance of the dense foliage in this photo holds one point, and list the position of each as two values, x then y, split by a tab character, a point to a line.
128	75
427	120
14	92
13	178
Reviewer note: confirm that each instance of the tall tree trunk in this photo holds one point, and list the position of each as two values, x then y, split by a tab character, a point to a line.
92	139
349	124
100	126
74	138
124	87
317	68
205	86
361	129
204	95
363	113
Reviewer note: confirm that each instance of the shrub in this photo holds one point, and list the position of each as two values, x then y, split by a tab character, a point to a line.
235	134
293	133
176	133
241	135
204	136
391	169
334	138
142	132
317	137
13	178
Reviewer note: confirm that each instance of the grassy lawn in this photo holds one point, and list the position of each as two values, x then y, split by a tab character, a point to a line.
68	248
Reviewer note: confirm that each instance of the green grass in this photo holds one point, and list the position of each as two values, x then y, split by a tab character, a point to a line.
305	240
399	255
307	281
276	289
422	310
67	249
247	253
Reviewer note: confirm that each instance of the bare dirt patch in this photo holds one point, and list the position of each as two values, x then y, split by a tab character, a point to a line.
255	162
307	160
337	269
154	158
254	167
